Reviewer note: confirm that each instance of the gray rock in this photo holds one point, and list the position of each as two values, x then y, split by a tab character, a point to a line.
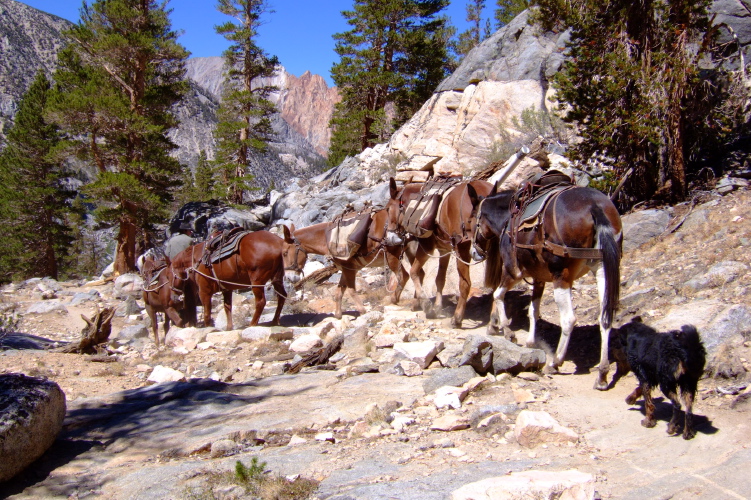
130	332
128	285
449	376
81	297
497	355
515	52
734	320
47	306
718	275
640	227
128	307
32	416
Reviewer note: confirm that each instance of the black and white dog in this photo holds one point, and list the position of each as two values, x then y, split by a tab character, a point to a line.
671	360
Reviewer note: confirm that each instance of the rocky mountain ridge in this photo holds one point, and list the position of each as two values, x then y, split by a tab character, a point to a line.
30	40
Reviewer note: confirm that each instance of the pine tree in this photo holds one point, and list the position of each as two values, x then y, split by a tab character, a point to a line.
245	111
472	37
396	54
203	179
506	10
118	81
632	85
33	200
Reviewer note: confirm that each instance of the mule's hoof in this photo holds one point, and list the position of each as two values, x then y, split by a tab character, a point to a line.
601	386
549	370
456	323
530	344
648	423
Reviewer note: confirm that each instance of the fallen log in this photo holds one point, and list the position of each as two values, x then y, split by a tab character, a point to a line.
320	356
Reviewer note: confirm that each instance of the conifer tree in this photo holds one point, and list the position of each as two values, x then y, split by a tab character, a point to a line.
118	80
203	179
472	37
506	10
632	85
33	200
245	110
396	54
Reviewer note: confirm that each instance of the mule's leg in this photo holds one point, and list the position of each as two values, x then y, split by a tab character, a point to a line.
562	295
401	276
688	399
601	383
538	287
649	406
416	274
500	321
259	293
154	326
465	283
440	282
339	295
350	277
205	294
281	297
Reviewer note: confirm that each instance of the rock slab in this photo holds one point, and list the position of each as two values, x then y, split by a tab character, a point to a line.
32	416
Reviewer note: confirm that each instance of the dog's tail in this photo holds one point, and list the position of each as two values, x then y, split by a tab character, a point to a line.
693	349
609	243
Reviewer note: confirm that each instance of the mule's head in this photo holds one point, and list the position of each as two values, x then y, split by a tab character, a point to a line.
394	235
293	256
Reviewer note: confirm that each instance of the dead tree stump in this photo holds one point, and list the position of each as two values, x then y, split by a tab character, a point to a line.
96	332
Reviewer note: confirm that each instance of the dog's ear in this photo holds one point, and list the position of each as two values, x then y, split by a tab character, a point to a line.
637	319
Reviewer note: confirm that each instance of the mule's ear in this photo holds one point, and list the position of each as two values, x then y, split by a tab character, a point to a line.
167	260
287	234
494	190
473	198
393	191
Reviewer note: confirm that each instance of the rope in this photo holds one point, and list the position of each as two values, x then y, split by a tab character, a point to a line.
154	289
242	285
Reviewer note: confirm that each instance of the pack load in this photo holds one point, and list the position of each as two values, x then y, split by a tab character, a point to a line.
421	212
347	233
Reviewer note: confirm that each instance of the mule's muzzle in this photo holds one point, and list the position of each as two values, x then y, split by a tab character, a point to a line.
476	255
392	239
293	276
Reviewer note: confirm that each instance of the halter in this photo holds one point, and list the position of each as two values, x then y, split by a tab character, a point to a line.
295	266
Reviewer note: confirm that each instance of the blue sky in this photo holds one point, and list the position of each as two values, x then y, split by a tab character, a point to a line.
298	33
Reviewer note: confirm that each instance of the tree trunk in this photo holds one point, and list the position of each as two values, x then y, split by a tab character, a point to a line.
125	258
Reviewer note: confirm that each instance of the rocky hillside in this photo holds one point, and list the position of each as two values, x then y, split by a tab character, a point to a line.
30	39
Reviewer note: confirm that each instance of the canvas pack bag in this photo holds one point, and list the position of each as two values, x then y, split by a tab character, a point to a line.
347	233
421	212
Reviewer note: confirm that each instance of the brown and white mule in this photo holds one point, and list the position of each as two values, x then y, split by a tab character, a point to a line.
578	231
452	235
379	251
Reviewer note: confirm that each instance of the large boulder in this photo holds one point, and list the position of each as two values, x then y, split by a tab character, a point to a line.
488	354
31	417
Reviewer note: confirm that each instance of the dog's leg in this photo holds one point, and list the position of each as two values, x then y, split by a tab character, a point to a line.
636	394
649	406
688	426
673	426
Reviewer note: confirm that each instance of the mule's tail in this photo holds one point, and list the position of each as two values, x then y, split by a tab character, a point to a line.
493	264
611	262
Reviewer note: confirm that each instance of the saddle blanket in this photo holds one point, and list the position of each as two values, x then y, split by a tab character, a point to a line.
421	212
347	233
222	245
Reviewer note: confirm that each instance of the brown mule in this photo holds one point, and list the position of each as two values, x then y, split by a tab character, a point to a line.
578	231
159	295
379	250
260	257
452	235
